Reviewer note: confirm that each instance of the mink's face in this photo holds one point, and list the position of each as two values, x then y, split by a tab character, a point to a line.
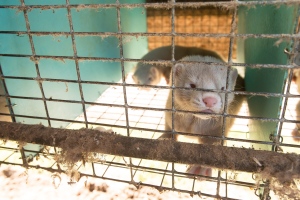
146	75
201	76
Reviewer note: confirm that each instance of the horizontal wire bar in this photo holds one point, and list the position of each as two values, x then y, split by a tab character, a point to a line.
228	5
162	131
145	34
159	109
163	150
147	108
162	62
169	110
265	94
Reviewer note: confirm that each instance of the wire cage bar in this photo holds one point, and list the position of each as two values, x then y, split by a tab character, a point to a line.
132	114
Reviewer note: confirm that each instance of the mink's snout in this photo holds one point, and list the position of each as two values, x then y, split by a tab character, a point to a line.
210	101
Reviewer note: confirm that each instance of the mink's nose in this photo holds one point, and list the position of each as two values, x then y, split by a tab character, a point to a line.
210	101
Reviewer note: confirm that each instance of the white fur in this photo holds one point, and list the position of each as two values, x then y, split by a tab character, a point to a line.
203	76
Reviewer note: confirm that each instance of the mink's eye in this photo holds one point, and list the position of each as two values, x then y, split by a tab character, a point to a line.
222	88
193	85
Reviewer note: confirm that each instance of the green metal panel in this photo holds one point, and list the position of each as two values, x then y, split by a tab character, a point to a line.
55	20
266	19
10	2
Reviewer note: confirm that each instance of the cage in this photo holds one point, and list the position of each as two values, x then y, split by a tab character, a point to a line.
68	65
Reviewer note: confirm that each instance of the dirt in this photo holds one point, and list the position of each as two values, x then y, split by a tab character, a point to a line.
18	183
77	144
281	169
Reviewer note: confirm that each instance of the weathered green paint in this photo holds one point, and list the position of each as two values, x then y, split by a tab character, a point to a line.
84	20
55	20
265	19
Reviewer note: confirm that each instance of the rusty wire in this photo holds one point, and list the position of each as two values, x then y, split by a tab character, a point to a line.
232	5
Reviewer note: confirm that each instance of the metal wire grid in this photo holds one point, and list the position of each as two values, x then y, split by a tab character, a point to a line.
119	35
168	171
189	20
115	168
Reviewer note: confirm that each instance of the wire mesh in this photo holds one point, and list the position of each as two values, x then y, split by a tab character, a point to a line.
133	112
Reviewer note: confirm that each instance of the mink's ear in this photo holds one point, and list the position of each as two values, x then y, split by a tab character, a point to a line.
154	71
178	69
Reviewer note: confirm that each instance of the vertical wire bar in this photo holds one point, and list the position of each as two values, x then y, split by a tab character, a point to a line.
93	168
38	79
226	185
76	61
172	2
23	157
232	37
123	78
137	167
75	57
231	43
162	180
193	186
11	111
